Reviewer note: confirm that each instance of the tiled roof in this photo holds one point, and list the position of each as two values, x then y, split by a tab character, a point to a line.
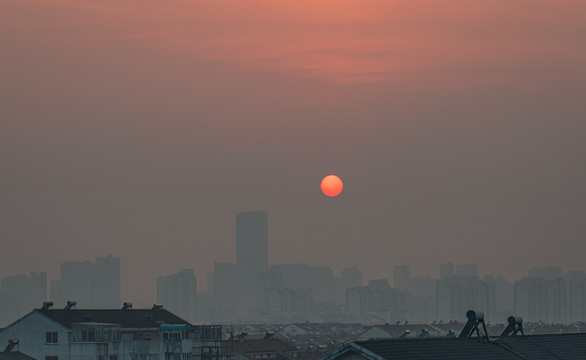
133	318
257	346
14	355
437	348
534	347
537	347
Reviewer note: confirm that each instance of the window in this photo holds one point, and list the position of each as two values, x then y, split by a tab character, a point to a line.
51	358
113	357
52	338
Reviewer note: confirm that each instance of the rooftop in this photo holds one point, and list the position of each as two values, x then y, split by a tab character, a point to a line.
131	318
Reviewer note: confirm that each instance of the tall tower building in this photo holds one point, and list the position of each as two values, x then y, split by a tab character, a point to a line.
177	292
92	285
252	242
447	270
402	276
106	282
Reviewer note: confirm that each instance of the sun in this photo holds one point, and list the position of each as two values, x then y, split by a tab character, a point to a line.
332	185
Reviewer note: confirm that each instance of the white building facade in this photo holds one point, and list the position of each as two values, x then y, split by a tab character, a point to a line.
144	334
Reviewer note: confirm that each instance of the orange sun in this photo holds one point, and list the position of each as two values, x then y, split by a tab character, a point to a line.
332	185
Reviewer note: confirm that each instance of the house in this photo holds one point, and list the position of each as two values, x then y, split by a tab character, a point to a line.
558	346
12	352
112	334
395	331
251	349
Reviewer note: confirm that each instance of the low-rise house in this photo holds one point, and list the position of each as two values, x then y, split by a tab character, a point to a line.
251	349
395	331
112	334
559	346
12	352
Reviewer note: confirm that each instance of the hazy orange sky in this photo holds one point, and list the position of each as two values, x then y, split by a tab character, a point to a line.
139	128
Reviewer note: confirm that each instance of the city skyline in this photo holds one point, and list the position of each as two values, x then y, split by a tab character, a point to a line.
140	128
252	290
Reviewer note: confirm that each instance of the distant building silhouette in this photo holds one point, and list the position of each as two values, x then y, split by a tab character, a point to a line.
178	292
378	302
290	304
92	285
447	270
252	242
458	294
351	277
19	294
549	273
401	276
467	270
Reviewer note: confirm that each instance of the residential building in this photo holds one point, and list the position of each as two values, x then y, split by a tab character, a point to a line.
92	285
112	334
20	293
402	276
178	292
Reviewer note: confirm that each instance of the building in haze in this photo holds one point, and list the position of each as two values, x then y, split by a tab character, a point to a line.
351	277
402	276
106	287
467	270
290	304
378	302
19	294
458	294
178	293
447	270
91	285
252	242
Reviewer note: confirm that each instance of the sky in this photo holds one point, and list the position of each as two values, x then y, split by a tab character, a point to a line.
139	128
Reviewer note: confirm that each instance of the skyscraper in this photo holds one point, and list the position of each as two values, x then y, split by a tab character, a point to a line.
92	285
106	282
177	292
467	270
447	270
252	242
402	275
20	294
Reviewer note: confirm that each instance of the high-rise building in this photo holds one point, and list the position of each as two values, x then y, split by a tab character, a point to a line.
290	304
177	292
252	242
351	277
91	285
548	273
467	270
402	276
106	285
447	270
540	299
458	294
20	294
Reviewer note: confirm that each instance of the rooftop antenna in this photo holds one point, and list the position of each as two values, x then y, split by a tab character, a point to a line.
515	326
475	318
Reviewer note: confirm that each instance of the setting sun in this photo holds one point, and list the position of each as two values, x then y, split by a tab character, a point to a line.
332	185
